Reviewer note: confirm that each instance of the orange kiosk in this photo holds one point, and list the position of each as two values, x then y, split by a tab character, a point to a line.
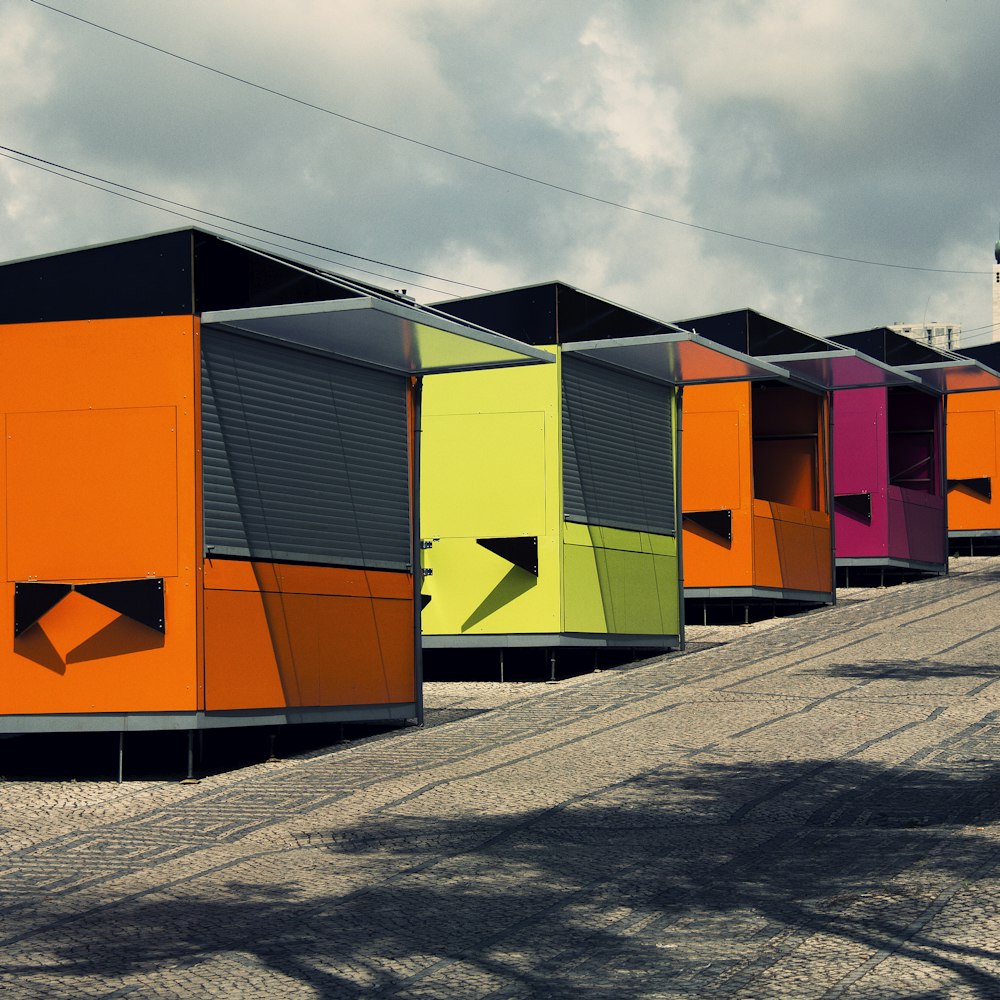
973	433
757	470
210	485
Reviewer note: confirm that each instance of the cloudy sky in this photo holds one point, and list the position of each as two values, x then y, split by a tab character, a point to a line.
849	128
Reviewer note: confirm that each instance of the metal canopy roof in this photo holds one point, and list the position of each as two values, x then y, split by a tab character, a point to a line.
956	375
939	370
675	358
843	368
815	361
381	333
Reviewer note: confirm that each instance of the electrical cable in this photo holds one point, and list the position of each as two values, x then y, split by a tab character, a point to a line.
50	167
493	166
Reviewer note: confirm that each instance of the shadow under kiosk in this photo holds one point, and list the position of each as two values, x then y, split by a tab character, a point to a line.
894	484
211	515
551	496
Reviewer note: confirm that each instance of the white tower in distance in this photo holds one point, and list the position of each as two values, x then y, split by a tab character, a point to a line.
995	334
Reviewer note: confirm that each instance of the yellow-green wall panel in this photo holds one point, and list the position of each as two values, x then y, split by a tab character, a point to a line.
483	474
475	592
489	469
627	587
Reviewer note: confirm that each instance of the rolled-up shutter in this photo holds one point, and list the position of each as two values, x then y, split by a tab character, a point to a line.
617	449
305	458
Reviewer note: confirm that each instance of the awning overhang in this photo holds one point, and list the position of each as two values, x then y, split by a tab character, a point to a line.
380	333
956	374
843	368
677	359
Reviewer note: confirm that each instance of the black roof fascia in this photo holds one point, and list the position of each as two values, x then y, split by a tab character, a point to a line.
152	276
552	313
890	347
180	272
988	354
751	333
230	276
528	315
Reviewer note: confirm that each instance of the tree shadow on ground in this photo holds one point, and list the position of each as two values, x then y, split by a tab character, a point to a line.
910	670
802	878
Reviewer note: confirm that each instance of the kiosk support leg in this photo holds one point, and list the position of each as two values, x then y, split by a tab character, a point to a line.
190	779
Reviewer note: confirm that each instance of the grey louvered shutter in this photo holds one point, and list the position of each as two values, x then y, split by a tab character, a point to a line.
617	449
305	458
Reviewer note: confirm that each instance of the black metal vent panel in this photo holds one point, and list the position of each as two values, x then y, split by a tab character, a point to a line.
858	504
980	486
140	600
617	449
304	457
716	522
521	551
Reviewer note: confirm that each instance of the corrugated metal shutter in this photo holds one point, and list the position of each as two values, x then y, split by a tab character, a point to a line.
305	458
617	449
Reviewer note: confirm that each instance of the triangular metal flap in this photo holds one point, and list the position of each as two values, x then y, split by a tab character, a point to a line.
34	600
717	522
858	504
140	600
982	486
521	550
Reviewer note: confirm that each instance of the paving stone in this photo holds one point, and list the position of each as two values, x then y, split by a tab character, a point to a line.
803	807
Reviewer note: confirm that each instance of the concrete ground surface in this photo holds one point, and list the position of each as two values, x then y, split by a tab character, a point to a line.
806	807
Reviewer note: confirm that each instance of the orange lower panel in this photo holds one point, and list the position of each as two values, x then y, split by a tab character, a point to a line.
792	548
83	658
268	646
711	561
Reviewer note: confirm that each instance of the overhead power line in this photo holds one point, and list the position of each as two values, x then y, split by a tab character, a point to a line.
493	166
120	190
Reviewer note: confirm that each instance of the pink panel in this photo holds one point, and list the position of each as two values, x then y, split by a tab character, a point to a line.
860	466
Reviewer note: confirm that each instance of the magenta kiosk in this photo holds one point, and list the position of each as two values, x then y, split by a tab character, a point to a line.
889	481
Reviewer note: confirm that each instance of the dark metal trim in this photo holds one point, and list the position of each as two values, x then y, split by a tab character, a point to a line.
116	722
518	640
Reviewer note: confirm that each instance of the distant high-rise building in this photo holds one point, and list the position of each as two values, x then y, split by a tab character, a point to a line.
995	335
946	335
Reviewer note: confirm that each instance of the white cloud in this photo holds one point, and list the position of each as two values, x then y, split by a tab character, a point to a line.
864	129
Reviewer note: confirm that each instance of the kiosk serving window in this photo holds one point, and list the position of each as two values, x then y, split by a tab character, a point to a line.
301	456
617	449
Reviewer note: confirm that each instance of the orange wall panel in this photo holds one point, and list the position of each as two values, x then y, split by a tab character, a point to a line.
271	643
973	451
81	657
98	476
716	475
710	562
92	494
791	548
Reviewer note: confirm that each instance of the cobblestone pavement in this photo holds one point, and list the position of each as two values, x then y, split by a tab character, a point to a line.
804	808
